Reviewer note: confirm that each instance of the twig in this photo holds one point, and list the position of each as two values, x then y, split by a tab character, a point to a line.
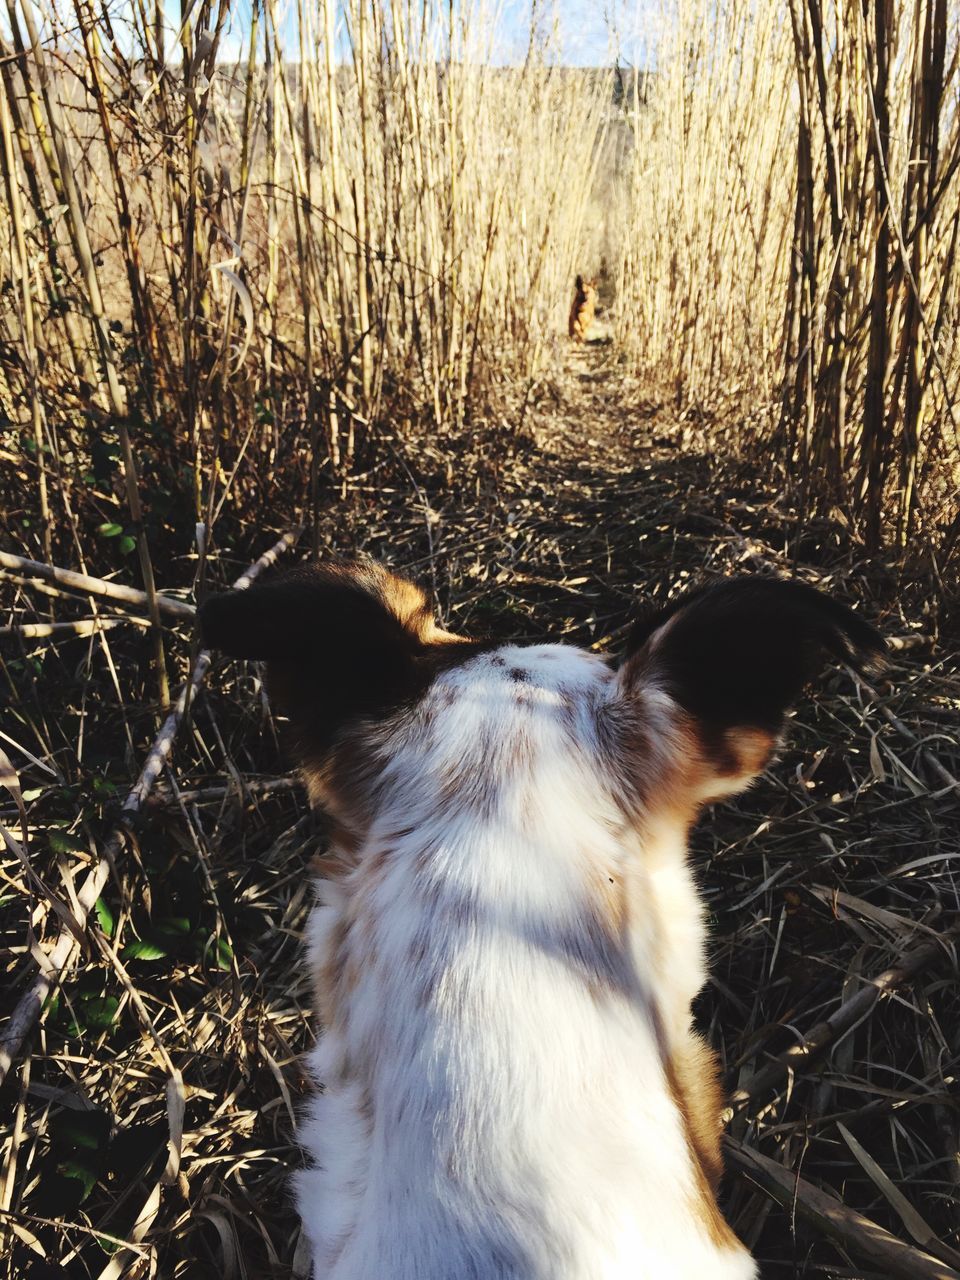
82	582
928	758
849	1229
248	789
30	1004
841	1020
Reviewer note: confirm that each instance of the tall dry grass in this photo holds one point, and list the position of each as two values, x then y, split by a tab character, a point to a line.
790	237
242	271
228	284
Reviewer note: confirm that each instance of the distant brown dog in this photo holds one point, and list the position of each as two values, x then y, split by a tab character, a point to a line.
584	308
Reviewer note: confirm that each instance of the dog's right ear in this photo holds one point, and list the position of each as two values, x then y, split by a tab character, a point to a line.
733	658
341	640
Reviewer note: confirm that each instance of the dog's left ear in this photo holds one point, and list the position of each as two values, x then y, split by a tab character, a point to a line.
734	657
341	640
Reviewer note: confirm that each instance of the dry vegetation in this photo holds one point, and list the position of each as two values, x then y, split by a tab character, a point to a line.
322	290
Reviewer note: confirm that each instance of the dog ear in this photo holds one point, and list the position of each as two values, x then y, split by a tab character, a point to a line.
341	640
734	657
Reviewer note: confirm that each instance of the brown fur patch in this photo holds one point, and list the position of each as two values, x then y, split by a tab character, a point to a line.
697	1078
692	1080
724	763
375	863
425	972
408	603
748	751
611	896
329	978
645	780
464	787
344	846
697	767
365	1108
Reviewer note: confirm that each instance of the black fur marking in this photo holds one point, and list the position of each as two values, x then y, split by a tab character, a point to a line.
738	653
308	614
336	650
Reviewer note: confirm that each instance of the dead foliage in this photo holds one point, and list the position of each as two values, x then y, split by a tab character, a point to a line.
148	1123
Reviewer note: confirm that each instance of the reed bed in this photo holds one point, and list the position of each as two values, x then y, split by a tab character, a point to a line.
360	220
790	242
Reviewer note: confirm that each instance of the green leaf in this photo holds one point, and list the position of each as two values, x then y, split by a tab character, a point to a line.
127	544
142	950
88	1129
101	1012
64	842
110	530
174	926
83	1174
104	915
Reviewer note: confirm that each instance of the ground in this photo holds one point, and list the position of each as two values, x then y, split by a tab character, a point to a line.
834	868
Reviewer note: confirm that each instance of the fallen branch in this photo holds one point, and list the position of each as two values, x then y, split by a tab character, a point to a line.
30	1004
100	587
82	627
847	1228
904	644
842	1020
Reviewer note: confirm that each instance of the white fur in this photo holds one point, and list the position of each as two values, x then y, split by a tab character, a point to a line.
488	1108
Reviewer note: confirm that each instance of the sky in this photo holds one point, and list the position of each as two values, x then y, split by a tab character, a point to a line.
589	30
579	31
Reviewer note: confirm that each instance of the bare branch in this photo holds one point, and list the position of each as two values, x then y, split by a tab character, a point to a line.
86	585
30	1004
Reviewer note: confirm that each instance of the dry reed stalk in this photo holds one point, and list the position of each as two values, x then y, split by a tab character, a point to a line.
55	125
12	187
55	239
82	627
87	585
827	131
851	1230
849	1014
438	208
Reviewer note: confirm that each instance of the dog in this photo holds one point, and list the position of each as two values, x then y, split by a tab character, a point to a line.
583	308
507	945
